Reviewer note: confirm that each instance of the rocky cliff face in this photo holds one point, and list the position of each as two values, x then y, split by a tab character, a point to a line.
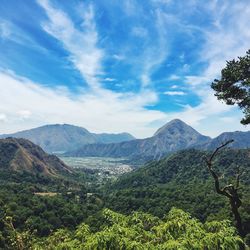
21	155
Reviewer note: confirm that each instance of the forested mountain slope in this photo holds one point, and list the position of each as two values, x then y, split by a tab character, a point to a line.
182	180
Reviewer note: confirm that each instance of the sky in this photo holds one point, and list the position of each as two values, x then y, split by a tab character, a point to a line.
119	65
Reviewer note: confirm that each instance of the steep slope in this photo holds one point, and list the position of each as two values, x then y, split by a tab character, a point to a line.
182	180
21	155
241	140
56	138
184	166
175	135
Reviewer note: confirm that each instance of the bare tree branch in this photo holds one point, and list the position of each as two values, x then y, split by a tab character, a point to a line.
218	149
230	191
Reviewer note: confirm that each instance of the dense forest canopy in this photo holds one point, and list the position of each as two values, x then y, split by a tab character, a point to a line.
179	180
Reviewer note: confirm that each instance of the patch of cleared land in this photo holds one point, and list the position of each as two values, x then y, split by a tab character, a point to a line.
46	194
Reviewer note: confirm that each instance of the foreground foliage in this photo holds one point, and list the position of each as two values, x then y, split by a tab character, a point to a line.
143	231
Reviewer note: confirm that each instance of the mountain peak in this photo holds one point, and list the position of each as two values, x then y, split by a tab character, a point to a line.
173	125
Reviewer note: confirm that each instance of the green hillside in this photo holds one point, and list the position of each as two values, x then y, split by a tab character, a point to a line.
182	180
66	209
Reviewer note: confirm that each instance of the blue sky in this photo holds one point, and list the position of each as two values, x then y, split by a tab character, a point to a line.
113	66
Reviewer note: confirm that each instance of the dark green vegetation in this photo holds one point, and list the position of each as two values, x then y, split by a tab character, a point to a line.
60	138
234	85
143	231
39	193
64	210
182	180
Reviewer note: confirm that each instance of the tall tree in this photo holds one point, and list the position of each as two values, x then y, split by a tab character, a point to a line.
230	191
234	85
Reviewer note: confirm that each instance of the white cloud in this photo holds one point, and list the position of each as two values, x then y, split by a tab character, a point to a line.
162	1
5	30
24	114
226	40
130	7
108	79
139	31
118	57
102	111
174	93
145	79
81	44
174	87
3	117
105	111
186	67
174	77
157	50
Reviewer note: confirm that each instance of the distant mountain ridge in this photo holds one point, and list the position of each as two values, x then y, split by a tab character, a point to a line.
173	136
21	155
241	140
61	138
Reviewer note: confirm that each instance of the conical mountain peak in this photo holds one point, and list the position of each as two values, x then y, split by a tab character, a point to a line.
174	126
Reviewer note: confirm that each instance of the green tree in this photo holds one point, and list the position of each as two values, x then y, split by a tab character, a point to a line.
141	231
234	85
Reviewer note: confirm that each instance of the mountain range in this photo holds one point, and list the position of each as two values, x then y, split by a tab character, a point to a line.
21	155
61	138
175	135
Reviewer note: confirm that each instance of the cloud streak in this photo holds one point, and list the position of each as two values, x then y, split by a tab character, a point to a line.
227	38
174	93
81	44
35	105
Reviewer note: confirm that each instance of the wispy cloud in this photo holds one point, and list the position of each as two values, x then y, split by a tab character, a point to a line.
104	111
157	51
143	50
108	79
81	44
174	93
174	87
222	43
174	77
139	31
5	29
